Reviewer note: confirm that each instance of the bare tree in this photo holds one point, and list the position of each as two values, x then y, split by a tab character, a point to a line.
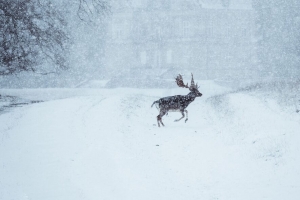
31	33
88	9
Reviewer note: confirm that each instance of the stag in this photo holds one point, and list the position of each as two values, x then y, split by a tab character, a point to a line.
177	103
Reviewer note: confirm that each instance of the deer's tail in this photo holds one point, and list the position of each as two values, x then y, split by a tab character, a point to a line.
154	103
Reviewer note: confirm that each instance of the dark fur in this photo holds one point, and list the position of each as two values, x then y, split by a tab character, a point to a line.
177	103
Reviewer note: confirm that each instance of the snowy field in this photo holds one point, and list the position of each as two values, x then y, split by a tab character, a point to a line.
101	144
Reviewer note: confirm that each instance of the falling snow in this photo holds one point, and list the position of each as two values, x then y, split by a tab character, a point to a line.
78	78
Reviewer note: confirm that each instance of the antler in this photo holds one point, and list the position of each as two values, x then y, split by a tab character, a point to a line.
193	83
180	83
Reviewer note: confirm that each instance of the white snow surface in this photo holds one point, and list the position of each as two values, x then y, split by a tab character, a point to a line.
105	144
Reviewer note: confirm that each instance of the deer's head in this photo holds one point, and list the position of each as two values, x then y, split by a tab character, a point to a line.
193	88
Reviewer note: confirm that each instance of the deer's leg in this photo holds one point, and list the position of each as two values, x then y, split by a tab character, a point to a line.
158	119
186	115
161	114
181	117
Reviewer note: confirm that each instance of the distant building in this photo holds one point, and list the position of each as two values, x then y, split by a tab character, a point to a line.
161	34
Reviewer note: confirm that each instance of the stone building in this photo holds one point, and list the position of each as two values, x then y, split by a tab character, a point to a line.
159	35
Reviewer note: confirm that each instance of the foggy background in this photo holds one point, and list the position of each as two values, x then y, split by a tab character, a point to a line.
143	43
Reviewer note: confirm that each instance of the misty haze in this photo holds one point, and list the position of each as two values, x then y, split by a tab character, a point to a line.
78	78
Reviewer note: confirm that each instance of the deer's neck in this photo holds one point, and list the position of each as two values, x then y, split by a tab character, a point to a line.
191	96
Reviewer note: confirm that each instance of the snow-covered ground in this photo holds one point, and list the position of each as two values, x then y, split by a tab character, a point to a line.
105	144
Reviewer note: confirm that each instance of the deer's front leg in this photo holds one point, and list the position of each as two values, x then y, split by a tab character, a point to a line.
181	117
186	115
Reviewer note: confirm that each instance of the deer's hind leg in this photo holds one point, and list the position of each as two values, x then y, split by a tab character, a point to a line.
159	117
176	120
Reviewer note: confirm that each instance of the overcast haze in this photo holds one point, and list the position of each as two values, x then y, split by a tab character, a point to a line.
229	40
149	99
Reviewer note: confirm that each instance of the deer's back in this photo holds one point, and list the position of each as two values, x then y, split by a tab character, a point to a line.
173	102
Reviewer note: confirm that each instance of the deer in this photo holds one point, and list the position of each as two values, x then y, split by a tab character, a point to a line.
177	103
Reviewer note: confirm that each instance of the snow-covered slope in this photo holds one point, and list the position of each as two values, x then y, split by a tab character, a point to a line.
105	144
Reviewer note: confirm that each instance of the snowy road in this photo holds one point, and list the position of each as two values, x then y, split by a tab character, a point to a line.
105	144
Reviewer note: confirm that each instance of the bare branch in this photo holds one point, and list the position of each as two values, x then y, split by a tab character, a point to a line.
89	9
31	33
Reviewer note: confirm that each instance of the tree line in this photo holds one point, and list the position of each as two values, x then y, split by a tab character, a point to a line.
33	32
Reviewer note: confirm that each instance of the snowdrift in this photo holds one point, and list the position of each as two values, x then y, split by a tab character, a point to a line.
105	144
